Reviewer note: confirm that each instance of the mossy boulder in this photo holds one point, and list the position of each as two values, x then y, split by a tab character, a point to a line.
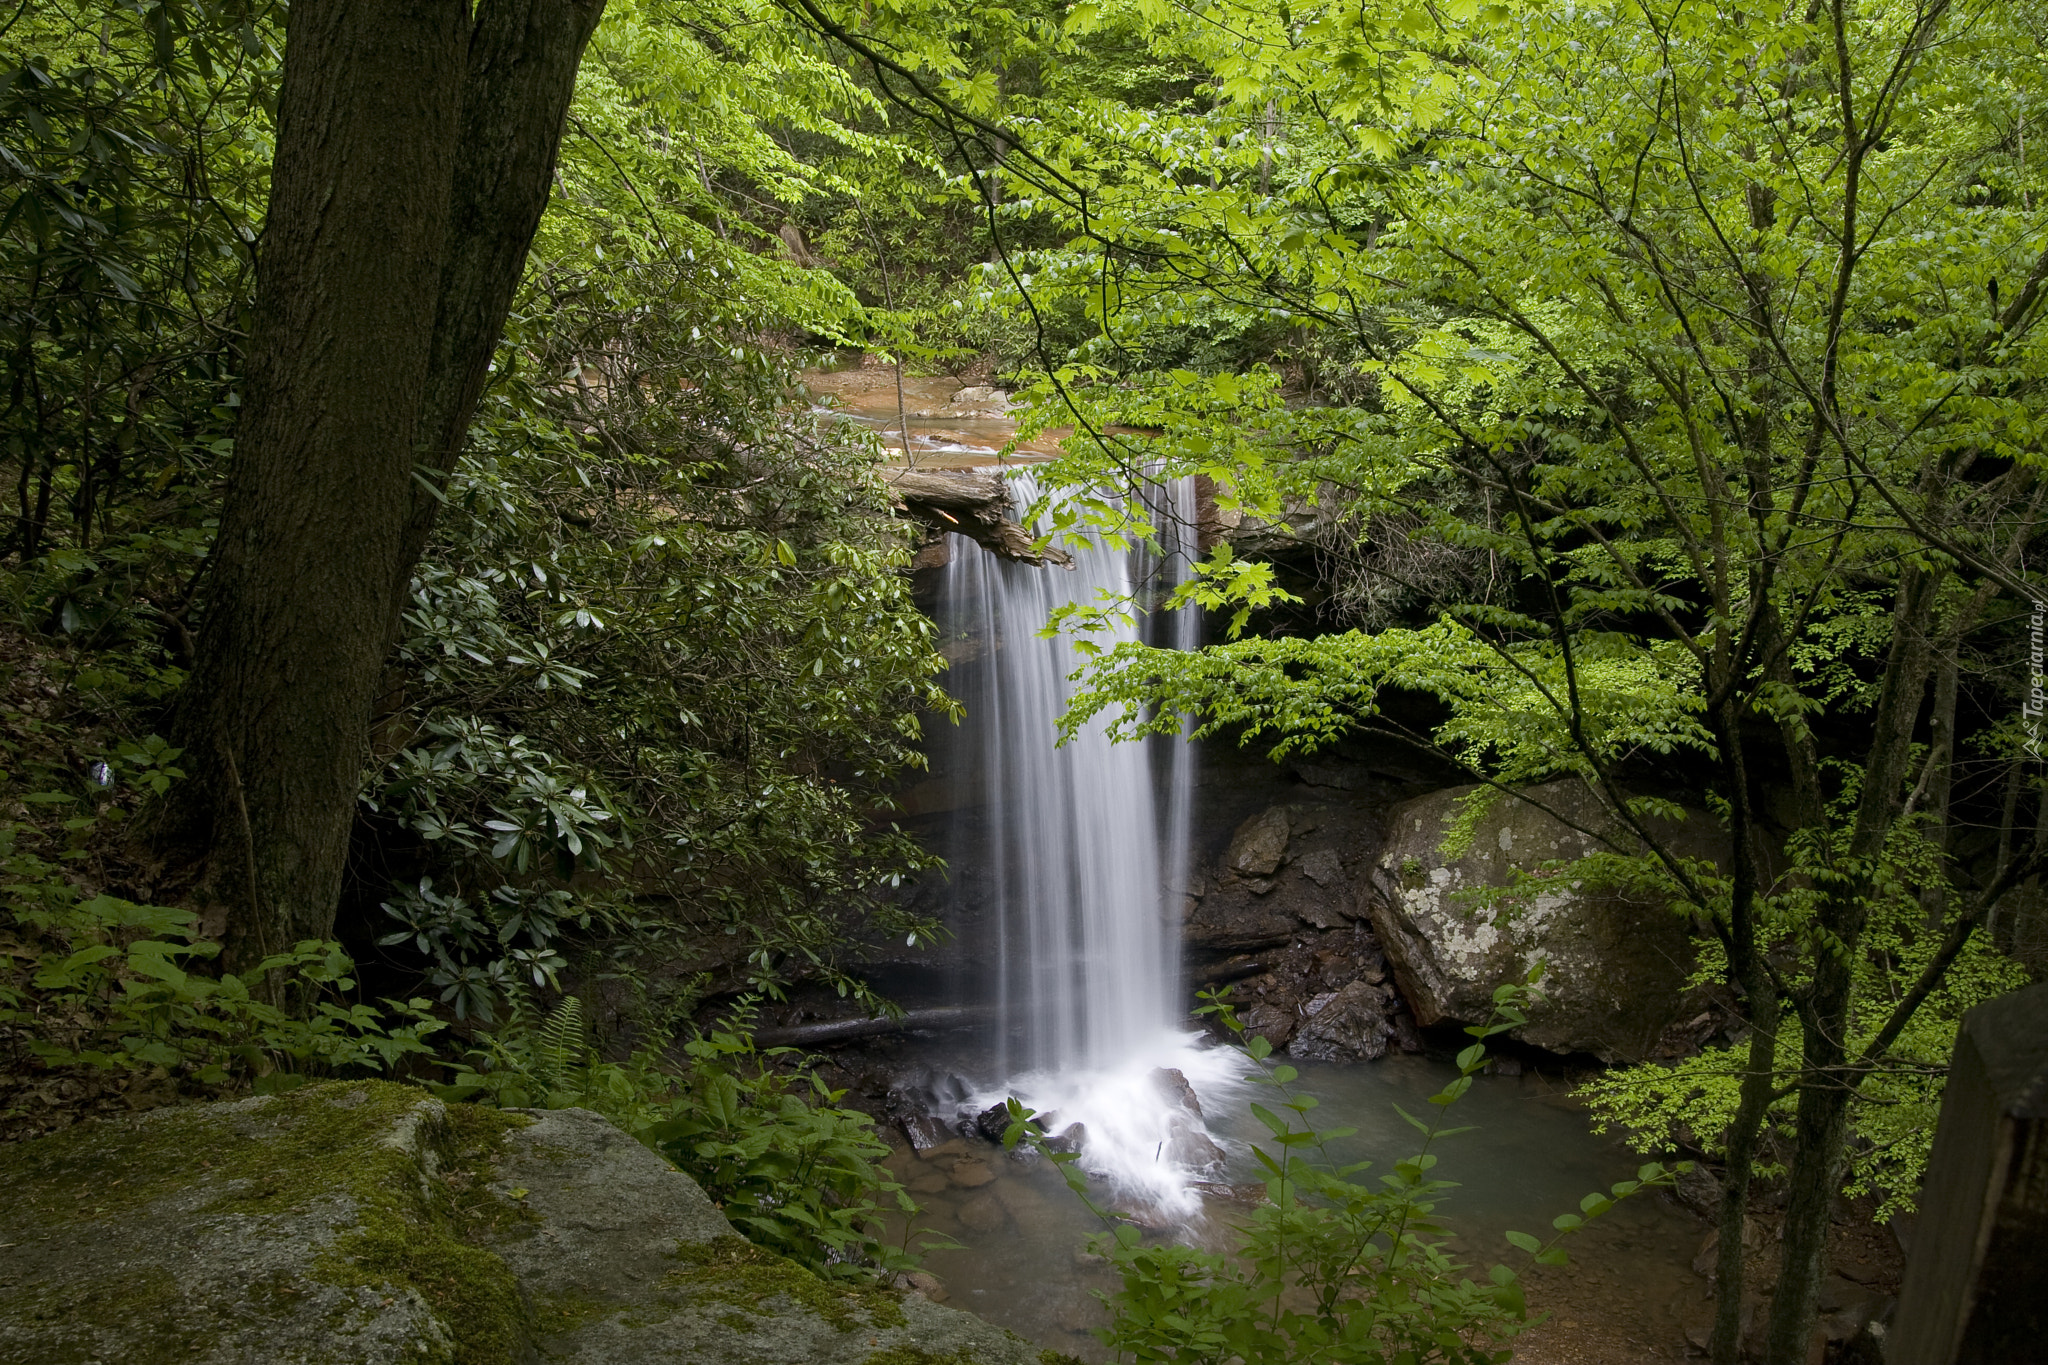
1615	964
369	1223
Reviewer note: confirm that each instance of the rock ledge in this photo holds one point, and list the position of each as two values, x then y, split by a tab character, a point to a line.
368	1223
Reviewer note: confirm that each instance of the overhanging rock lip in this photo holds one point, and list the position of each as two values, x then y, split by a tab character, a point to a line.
975	505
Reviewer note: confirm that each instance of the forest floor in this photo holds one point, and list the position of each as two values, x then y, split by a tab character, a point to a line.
1636	1296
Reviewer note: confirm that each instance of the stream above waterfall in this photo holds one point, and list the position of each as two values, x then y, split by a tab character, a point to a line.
867	395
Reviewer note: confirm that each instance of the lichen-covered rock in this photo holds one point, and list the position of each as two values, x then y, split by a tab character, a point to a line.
1615	966
296	1228
369	1223
627	1261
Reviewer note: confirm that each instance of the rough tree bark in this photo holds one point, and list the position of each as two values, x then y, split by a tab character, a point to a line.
415	147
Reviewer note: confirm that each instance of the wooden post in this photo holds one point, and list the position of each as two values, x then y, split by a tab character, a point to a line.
1976	1290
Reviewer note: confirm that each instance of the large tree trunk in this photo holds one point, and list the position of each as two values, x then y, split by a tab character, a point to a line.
385	275
303	566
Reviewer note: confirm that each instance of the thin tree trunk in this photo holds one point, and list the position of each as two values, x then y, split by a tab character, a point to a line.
1747	973
1271	130
1759	1079
1828	1079
1937	785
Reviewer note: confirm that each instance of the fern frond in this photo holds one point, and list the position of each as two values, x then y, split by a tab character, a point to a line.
559	1044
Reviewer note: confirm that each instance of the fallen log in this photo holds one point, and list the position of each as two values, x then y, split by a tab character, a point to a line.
847	1030
975	505
1232	971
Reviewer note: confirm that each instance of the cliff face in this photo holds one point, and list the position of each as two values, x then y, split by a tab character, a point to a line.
368	1223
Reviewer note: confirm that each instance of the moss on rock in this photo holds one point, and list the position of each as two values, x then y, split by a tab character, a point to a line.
369	1223
734	1270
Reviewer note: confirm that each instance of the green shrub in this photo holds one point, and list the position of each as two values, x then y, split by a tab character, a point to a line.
104	985
530	1061
792	1170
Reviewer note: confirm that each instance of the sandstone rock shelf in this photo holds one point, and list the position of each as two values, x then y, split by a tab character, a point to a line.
369	1223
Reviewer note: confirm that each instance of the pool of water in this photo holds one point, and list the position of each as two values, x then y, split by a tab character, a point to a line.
1529	1156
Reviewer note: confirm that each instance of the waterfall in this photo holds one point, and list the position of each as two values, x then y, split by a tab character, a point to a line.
1077	854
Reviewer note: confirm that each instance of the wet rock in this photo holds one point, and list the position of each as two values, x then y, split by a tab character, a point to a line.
1271	1022
925	1283
1703	1261
1321	912
1072	1138
993	1122
1023	1203
971	1174
951	1148
1344	1026
1194	1149
1406	1036
930	1182
1234	919
1258	901
976	402
1260	844
925	1132
1615	964
1699	1191
1173	1087
1250	1195
1271	990
1336	968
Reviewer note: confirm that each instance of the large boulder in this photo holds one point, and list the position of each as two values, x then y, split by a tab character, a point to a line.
369	1223
1615	965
